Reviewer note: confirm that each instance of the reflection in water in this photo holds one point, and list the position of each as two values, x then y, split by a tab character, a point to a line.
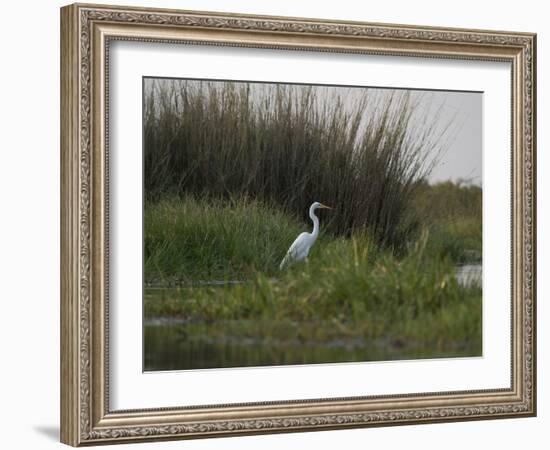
180	346
188	346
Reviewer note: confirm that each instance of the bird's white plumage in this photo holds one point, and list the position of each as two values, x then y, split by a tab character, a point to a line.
299	250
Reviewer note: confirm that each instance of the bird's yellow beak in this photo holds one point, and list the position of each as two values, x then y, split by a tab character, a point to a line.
325	206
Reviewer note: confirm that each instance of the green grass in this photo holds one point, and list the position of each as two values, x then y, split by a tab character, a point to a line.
351	287
452	212
344	292
188	239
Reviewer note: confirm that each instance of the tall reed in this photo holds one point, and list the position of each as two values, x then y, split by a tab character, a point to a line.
358	150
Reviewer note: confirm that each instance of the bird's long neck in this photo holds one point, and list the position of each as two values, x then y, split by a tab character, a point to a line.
315	220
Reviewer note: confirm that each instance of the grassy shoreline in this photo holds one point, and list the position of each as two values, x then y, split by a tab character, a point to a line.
350	290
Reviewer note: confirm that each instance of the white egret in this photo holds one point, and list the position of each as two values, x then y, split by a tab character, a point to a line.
300	248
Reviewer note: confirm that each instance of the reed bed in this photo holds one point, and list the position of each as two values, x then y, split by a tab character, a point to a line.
358	150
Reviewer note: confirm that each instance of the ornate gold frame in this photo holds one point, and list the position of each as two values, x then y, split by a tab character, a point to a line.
86	31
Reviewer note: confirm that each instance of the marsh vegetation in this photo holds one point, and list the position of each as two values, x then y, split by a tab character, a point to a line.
230	171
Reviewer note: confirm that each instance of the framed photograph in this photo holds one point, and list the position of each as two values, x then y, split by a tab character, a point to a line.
275	224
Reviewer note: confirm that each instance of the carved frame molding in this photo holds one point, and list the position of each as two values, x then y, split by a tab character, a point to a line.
86	32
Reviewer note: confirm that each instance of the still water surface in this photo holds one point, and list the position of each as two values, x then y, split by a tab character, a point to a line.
179	346
469	274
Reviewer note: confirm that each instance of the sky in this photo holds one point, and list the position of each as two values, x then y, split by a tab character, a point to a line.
463	157
459	113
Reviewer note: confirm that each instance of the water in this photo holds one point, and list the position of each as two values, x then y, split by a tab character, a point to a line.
180	345
466	275
469	274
